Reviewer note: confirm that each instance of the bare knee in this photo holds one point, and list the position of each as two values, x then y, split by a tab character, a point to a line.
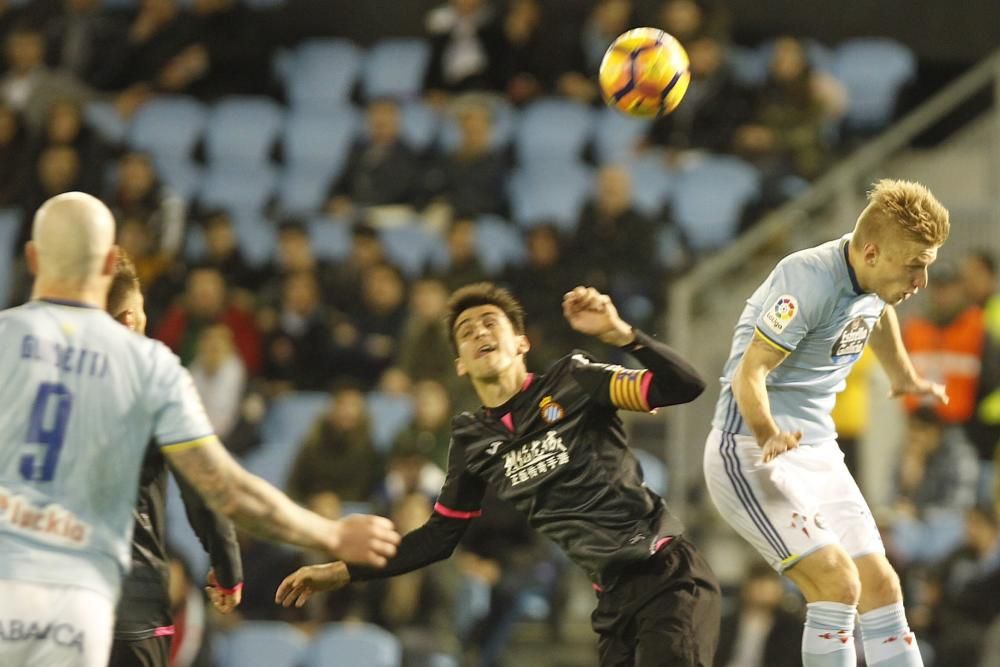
879	584
828	575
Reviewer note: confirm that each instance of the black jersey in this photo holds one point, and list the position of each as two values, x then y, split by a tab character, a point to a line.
557	451
144	607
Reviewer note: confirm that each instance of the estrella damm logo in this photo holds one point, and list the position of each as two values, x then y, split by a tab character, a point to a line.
550	410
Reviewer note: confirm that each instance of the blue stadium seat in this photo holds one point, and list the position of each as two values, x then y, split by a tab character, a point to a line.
291	416
420	125
413	248
10	225
106	121
354	644
238	187
498	244
243	130
331	238
671	252
389	415
302	190
505	120
322	73
272	461
710	197
874	71
748	65
550	192
180	175
256	235
395	67
617	135
180	535
652	182
321	140
654	472
553	129
168	126
270	643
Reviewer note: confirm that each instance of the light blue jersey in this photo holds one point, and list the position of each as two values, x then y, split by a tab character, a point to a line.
80	399
812	307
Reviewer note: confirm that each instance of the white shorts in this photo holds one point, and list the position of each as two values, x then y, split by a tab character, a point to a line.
45	625
802	500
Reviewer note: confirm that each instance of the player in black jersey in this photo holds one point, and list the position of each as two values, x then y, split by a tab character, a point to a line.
143	624
554	446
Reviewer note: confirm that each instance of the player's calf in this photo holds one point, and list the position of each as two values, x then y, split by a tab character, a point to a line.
830	583
888	640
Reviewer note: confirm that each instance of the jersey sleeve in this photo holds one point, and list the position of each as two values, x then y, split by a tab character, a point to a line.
461	496
179	418
612	385
791	304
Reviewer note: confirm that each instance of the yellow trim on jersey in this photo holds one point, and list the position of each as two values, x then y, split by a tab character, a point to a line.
625	390
761	335
188	444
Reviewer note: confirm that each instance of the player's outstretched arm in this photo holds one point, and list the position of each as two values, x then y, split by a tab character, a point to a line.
259	508
887	344
750	391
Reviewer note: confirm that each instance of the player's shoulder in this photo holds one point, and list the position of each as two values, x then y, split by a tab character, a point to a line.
819	262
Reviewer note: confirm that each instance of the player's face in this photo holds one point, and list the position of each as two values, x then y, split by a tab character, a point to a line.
132	312
899	269
488	346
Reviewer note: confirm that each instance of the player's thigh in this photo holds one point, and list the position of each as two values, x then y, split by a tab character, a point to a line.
53	626
773	505
151	652
826	574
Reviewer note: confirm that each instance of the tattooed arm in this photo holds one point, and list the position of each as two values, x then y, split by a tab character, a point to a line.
258	508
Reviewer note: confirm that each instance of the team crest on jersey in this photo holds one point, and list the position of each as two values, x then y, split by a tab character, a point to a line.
550	410
781	313
851	341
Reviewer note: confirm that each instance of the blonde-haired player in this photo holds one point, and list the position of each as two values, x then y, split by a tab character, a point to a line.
772	463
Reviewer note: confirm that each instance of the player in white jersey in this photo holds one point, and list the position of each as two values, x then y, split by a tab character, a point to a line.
772	463
80	399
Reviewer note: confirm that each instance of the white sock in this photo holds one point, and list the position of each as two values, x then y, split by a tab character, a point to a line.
828	637
887	638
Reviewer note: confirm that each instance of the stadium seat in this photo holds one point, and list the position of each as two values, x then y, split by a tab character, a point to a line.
651	182
238	187
180	175
354	644
389	415
270	643
256	234
616	136
709	199
550	192
272	461
321	74
498	244
243	130
168	126
106	121
320	140
874	71
10	225
654	472
413	248
330	237
505	121
420	125
553	129
671	251
395	67
302	190
291	416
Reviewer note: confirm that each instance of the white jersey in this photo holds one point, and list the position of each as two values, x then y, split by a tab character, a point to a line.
811	307
80	400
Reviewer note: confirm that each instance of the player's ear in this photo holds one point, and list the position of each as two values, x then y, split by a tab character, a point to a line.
523	344
460	368
31	255
871	252
109	262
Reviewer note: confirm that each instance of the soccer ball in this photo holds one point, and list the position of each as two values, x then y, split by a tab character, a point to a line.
644	73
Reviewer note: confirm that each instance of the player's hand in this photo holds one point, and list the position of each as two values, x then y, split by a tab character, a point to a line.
779	444
592	313
300	585
918	386
366	540
222	599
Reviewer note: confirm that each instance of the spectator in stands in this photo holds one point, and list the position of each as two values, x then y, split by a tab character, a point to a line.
57	170
159	31
15	158
979	273
78	37
464	266
430	431
64	126
607	20
338	455
222	251
946	344
381	168
138	194
345	278
424	350
761	631
203	304
472	180
461	33
687	20
220	377
525	64
295	254
714	105
379	318
296	337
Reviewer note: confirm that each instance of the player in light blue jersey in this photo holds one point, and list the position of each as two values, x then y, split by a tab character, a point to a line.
80	399
772	463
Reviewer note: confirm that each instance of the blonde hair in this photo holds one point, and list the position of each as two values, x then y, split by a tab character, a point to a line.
905	208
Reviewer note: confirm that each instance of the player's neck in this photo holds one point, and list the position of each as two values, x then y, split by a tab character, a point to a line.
856	260
90	294
500	389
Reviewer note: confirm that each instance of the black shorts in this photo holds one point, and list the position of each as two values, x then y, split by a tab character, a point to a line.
152	652
663	612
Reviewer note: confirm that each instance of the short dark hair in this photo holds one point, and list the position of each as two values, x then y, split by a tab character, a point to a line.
986	258
123	282
483	294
